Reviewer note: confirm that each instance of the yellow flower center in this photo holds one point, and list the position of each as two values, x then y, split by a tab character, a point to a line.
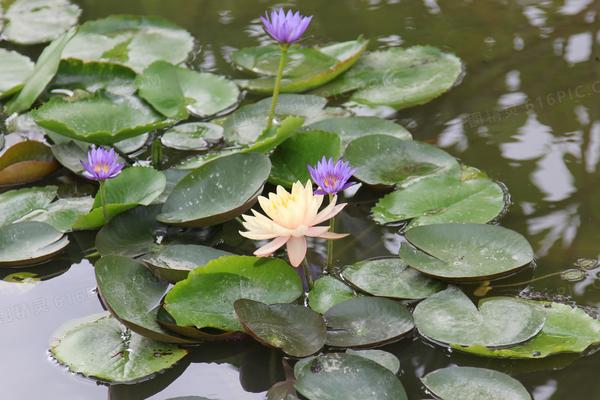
101	168
330	181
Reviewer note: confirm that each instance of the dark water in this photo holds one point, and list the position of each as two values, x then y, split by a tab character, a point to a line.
527	113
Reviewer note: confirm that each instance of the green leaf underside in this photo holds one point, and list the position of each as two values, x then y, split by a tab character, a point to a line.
205	299
398	78
391	277
328	291
102	348
449	317
26	162
388	160
465	251
467	383
472	198
566	330
338	376
367	321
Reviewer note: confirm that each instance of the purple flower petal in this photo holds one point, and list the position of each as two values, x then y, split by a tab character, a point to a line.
101	164
285	27
331	177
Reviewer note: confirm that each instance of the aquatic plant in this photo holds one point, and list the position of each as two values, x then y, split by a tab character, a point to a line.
102	164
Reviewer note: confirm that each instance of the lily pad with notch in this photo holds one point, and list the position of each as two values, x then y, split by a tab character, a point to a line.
192	136
328	291
449	317
296	330
99	347
93	76
217	191
28	243
466	252
17	203
391	277
383	358
62	213
206	298
367	322
388	161
468	383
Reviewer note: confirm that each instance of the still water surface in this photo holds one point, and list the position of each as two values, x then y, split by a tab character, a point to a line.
527	113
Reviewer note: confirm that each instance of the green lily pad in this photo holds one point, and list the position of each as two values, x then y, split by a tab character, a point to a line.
273	137
205	299
94	76
130	234
38	21
383	358
217	191
328	291
100	347
192	136
132	294
467	383
296	330
28	243
388	160
367	322
398	78
133	41
44	70
198	335
63	213
247	123
338	376
15	68
466	252
291	158
175	91
471	198
450	317
306	68
354	127
15	204
26	162
132	187
567	330
102	118
391	277
174	262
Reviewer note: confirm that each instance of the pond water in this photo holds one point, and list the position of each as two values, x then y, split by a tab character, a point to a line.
527	113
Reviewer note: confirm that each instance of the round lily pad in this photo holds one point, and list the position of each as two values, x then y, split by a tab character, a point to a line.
388	160
38	21
102	118
132	294
132	187
296	330
450	317
466	252
192	136
26	162
174	262
92	76
175	91
217	191
134	41
291	158
398	77
306	68
367	322
383	358
15	68
567	329
470	198
353	127
27	243
467	383
328	291
63	213
205	299
15	204
391	277
338	376
100	347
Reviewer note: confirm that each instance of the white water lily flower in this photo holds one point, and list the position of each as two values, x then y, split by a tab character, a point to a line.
291	217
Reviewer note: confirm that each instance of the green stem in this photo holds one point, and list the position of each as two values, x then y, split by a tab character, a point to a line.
102	191
309	280
156	150
282	60
539	278
330	242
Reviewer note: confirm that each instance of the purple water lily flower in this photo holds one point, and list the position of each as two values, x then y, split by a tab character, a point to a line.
331	177
101	164
285	28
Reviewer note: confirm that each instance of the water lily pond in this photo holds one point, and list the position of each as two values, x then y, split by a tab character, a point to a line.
389	200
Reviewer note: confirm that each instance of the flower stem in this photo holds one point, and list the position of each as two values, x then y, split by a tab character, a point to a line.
102	191
156	151
282	60
309	279
330	242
